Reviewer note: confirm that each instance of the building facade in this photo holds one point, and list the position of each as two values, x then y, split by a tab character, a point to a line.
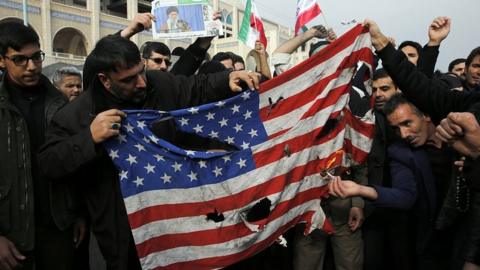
68	29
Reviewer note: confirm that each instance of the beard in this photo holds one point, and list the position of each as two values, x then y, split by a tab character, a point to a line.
136	96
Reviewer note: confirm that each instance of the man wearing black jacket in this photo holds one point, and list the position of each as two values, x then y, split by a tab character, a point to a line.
36	215
74	141
433	97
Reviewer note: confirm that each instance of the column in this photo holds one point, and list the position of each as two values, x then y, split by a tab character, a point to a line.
132	10
46	28
94	7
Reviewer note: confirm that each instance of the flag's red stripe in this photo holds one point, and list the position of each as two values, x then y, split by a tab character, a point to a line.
256	23
306	16
223	261
322	56
227	233
364	128
300	99
357	154
295	145
274	185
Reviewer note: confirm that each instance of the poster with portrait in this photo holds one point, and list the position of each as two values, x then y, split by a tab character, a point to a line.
184	19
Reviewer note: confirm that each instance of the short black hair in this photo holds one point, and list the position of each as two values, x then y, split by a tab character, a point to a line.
157	47
455	62
16	35
178	51
113	52
236	58
472	55
414	44
172	9
221	56
395	101
379	74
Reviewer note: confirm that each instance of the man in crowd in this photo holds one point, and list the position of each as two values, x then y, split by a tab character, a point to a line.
69	81
433	97
74	151
457	67
36	215
156	55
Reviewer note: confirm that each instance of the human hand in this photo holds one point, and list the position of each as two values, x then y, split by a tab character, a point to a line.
318	31
252	79
438	30
141	21
343	188
462	131
9	255
355	218
379	40
259	48
106	124
79	229
331	35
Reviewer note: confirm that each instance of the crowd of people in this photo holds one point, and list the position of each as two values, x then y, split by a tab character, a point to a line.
415	204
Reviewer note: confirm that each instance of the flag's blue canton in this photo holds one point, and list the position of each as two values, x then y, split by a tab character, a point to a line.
235	121
146	162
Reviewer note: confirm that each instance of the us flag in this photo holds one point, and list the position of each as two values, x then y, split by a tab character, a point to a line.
209	209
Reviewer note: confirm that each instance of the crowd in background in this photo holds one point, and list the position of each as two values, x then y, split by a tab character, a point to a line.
414	205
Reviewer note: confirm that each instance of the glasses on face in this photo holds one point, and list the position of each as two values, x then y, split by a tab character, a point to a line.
159	61
22	60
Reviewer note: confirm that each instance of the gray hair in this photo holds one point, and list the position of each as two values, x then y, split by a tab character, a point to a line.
60	73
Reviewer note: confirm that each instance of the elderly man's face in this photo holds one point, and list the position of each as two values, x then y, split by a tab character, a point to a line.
71	86
410	125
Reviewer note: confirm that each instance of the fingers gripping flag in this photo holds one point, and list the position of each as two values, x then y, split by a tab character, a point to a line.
207	210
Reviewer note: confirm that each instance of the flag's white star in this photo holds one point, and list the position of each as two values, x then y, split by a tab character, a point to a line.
166	178
193	110
121	138
138	181
253	132
177	167
150	168
245	145
210	116
153	139
129	128
202	164
198	128
235	109
190	153
224	122
246	95
213	134
159	157
183	122
217	171
123	175
241	163
141	124
247	115
113	154
192	176
131	159
230	140
139	147
226	158
238	128
145	139
220	104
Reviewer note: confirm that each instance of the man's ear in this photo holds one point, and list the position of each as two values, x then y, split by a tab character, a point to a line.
2	62
104	80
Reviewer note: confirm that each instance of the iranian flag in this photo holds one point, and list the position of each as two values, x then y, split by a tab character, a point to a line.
306	11
252	26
